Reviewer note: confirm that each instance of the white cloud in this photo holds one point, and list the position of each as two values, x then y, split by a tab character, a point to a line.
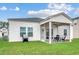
77	11
61	6
42	13
3	8
52	9
15	9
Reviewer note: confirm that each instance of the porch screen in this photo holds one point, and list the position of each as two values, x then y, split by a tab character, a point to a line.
22	31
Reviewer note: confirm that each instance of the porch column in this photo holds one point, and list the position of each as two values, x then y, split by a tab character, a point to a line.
71	33
57	30
50	35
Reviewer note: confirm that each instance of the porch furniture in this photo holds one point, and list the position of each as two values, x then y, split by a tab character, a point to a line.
25	38
57	38
63	39
47	37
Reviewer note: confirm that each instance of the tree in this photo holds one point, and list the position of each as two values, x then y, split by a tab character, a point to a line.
4	25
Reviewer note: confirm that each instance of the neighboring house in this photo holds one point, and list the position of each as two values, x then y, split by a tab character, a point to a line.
40	29
76	27
3	32
3	29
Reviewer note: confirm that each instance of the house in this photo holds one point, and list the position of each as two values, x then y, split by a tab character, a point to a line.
41	29
76	27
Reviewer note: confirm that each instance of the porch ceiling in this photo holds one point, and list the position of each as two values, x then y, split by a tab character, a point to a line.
56	23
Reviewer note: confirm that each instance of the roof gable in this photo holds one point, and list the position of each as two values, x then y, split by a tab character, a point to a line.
62	13
60	17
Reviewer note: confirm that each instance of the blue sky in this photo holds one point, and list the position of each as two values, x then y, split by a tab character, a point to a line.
24	10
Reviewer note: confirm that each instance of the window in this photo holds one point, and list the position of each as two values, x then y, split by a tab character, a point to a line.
47	33
65	32
22	31
30	31
52	33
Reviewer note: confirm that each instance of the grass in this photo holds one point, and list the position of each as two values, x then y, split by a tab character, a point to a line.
39	48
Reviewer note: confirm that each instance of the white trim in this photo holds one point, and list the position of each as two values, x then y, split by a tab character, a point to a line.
71	33
50	35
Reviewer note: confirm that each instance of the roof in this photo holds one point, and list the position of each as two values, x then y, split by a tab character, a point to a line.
75	18
27	19
61	13
40	19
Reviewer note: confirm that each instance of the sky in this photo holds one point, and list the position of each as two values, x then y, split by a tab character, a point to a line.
42	10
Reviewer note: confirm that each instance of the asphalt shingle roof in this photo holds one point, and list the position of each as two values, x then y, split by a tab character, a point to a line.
27	19
38	19
75	18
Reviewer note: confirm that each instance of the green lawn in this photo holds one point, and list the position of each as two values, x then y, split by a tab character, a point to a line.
39	48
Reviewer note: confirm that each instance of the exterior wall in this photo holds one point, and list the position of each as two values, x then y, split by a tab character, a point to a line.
76	28
55	32
14	30
61	30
